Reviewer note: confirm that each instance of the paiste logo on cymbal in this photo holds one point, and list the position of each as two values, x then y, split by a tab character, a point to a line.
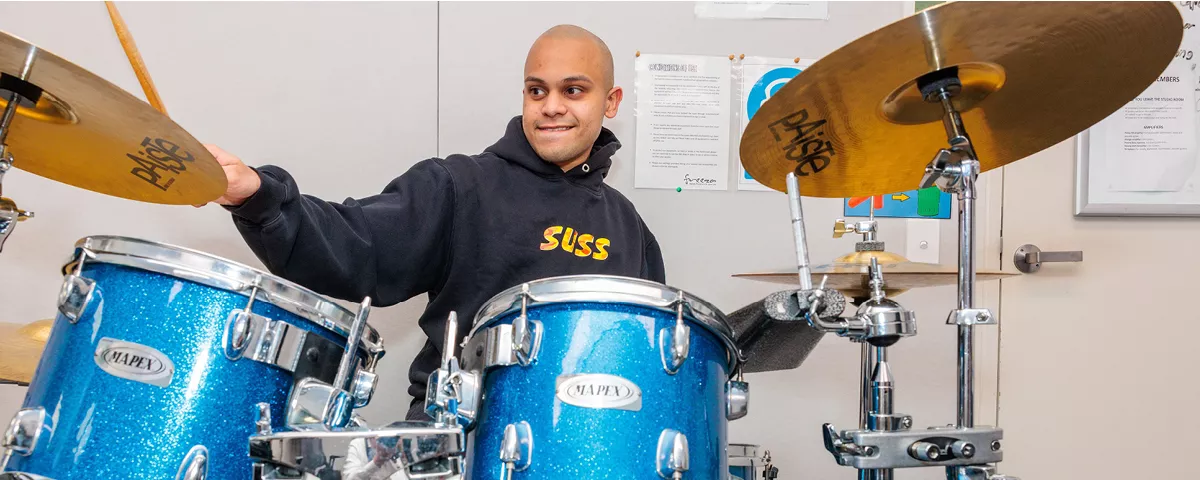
804	144
159	162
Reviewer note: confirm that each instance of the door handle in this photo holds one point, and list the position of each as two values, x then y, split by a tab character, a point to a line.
1029	258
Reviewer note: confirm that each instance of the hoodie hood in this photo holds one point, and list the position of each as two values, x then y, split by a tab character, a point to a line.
515	148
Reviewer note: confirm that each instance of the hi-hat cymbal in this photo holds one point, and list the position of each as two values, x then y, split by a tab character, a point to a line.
21	348
87	132
1033	74
851	278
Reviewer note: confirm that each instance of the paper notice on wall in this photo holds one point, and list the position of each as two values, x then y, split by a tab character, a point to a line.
1152	139
763	9
761	78
683	110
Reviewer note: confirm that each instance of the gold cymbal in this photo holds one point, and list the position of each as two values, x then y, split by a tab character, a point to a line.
21	348
1033	74
89	133
851	278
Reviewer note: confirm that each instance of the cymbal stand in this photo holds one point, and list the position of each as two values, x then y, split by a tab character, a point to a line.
955	171
19	91
878	324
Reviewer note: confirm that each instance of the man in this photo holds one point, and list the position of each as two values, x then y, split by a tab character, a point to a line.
464	228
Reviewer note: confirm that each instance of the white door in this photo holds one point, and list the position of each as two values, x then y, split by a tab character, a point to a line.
1096	375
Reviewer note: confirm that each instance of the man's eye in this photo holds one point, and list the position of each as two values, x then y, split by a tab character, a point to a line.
536	91
574	91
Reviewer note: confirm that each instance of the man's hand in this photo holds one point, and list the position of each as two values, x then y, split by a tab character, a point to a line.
243	181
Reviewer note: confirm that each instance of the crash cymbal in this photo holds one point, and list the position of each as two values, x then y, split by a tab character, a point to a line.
87	132
21	348
1033	74
851	278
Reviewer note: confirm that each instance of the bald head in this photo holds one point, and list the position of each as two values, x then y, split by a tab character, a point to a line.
569	91
582	43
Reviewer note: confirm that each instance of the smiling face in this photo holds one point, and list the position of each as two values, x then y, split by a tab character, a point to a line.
568	92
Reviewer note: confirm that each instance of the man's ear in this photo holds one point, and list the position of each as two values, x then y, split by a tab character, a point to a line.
613	102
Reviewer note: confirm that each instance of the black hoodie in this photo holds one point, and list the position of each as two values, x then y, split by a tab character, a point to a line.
460	229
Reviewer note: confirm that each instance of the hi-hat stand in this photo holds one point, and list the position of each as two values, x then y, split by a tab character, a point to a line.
18	91
885	440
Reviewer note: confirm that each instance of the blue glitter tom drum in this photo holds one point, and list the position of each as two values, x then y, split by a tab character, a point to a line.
162	358
599	377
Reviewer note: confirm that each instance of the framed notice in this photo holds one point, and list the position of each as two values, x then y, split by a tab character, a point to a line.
1142	160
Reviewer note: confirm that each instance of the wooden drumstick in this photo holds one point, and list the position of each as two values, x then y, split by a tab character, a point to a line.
135	59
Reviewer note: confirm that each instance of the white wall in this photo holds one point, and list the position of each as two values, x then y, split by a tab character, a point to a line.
269	82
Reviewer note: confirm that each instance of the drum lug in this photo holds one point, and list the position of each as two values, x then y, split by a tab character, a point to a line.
737	399
74	296
676	353
526	334
672	454
316	405
23	431
195	464
255	337
516	449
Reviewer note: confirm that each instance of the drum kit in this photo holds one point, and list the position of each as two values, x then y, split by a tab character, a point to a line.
167	362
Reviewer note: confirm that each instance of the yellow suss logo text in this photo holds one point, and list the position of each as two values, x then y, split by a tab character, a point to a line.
574	242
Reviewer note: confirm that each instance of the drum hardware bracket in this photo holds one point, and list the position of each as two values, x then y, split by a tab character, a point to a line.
675	354
253	337
194	465
453	395
672	454
315	405
1029	258
495	347
516	448
972	316
23	433
934	447
76	290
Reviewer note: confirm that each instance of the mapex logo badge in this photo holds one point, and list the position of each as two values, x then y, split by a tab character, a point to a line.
135	362
598	390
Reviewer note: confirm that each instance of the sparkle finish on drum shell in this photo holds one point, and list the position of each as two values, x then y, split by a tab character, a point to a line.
625	379
142	378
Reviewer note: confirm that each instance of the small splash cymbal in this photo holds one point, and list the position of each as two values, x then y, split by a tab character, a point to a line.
21	348
76	128
1033	74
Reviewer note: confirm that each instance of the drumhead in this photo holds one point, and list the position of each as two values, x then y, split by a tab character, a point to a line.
609	289
217	272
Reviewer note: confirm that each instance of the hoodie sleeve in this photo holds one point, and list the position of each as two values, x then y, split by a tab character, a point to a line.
391	246
652	266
